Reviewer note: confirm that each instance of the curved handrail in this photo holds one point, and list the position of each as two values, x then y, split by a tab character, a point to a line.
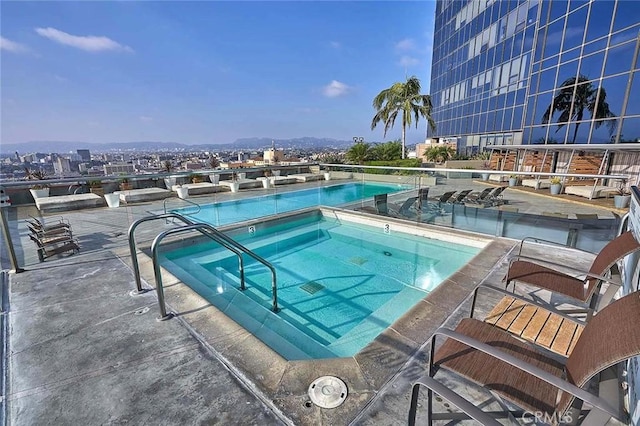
133	250
164	205
215	232
223	239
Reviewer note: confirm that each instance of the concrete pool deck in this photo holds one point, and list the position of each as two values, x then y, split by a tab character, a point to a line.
82	350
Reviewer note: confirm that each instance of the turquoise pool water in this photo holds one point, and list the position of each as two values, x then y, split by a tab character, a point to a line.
339	284
251	208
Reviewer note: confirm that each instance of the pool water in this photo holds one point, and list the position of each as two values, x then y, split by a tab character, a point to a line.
251	208
339	284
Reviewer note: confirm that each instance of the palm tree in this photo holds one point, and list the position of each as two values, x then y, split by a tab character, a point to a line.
439	153
387	151
406	98
358	153
586	97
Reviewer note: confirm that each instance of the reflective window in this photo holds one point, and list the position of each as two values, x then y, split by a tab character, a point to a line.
633	105
543	102
615	88
604	130
550	62
595	46
540	43
591	65
517	118
571	54
554	39
578	132
577	3
539	135
599	19
508	113
625	35
558	8
630	131
627	13
574	31
526	138
568	71
530	111
619	59
547	80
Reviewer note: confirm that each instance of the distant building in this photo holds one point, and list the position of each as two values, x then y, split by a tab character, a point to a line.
84	154
61	166
117	168
192	165
272	155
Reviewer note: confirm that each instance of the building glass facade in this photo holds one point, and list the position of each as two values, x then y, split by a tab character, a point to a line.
508	72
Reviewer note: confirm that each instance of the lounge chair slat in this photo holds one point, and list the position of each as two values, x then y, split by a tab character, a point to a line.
525	316
549	331
533	329
511	314
499	310
562	342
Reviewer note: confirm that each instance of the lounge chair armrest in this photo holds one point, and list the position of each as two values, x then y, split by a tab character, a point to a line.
529	301
557	382
580	272
541	240
468	408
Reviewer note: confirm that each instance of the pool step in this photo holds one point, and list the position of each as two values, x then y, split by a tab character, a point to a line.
255	316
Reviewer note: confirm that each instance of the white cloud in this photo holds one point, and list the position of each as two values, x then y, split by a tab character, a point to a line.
335	44
335	89
408	61
406	44
146	119
12	46
88	43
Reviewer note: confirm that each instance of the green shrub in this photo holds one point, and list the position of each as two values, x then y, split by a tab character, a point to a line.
408	162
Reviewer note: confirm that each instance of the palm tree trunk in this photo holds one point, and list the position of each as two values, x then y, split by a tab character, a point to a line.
404	132
575	133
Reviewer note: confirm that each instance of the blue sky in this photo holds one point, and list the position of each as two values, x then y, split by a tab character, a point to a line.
206	72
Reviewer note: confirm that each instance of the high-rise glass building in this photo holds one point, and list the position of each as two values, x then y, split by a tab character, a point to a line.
511	72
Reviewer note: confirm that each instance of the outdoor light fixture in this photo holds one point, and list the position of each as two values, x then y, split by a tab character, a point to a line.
357	139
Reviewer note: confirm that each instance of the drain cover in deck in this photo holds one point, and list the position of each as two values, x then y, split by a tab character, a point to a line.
312	287
328	392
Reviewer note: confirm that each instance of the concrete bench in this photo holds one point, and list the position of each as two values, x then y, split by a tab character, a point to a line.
244	183
144	194
279	180
199	188
307	177
68	202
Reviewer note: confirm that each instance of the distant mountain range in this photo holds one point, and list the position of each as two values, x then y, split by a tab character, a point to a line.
239	144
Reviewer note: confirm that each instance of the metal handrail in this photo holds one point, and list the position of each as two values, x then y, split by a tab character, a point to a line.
223	239
215	232
133	250
164	205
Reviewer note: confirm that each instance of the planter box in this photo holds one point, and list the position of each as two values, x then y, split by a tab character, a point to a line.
621	201
113	200
39	193
183	192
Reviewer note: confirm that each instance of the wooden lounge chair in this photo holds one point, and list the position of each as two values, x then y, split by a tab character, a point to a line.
526	376
41	226
584	286
52	248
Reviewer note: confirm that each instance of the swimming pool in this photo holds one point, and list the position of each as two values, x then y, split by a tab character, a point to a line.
340	283
251	208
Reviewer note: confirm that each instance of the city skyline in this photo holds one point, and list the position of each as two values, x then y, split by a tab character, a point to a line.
206	72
